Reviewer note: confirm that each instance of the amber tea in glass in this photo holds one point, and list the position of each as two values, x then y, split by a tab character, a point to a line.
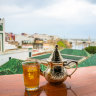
31	75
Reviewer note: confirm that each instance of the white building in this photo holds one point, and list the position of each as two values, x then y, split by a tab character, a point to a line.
23	38
2	35
45	37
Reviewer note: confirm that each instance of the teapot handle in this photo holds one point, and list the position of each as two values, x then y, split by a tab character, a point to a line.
75	68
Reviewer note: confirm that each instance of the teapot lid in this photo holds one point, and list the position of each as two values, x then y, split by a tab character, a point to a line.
56	56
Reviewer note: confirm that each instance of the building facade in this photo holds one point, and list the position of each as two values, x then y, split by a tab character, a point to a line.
38	43
2	34
24	39
9	37
44	37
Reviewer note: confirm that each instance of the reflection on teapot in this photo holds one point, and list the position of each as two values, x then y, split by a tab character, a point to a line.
56	68
58	90
55	89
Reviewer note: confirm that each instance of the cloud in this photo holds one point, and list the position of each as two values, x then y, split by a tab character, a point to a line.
9	10
68	10
69	16
74	10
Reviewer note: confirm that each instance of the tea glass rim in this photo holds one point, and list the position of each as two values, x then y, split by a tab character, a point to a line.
30	62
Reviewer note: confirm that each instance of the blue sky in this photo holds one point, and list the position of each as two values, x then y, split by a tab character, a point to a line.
64	18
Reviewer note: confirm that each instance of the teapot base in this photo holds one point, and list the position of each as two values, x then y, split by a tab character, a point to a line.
54	81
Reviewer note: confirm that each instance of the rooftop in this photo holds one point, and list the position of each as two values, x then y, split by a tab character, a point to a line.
14	66
44	56
75	52
91	61
72	54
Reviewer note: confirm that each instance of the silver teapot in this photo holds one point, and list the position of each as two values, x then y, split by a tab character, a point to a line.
56	67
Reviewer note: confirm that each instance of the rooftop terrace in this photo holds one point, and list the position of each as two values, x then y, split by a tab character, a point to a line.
75	52
14	66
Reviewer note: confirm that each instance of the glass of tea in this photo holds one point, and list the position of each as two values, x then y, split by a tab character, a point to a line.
31	72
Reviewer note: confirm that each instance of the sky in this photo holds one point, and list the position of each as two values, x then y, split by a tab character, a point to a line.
63	18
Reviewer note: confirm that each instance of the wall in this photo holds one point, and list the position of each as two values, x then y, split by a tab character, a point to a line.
2	32
18	55
9	46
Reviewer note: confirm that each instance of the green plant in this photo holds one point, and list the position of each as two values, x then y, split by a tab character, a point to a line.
61	44
91	49
19	46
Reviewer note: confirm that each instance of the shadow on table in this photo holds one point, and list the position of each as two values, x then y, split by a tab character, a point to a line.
51	90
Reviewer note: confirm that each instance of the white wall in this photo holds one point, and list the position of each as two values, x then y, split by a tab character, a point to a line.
9	46
3	21
44	36
18	55
22	55
23	46
20	38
